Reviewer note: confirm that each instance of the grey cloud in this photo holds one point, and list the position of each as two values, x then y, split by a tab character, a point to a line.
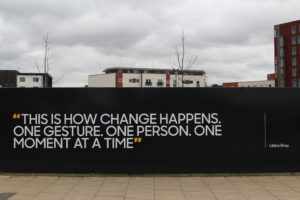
110	32
22	9
12	51
233	38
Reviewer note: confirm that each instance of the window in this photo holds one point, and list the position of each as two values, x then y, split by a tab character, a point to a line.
294	40
294	29
148	82
35	79
281	41
174	83
282	62
294	83
22	79
281	70
281	52
276	32
160	82
294	61
282	83
187	82
134	80
294	72
294	50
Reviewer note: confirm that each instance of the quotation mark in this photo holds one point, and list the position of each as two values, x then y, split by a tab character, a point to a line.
137	140
16	116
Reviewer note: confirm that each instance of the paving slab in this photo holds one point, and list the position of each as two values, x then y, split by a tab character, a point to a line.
150	187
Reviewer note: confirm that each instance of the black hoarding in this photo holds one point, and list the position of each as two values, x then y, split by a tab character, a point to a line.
203	130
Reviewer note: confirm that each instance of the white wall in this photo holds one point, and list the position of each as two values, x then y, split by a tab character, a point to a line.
102	80
127	77
200	79
29	81
154	79
108	80
264	83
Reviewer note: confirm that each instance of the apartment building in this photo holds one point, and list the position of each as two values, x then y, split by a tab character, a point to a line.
287	54
120	77
15	79
34	80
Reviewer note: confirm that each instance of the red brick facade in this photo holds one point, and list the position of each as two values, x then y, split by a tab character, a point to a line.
168	80
230	84
287	54
119	80
271	77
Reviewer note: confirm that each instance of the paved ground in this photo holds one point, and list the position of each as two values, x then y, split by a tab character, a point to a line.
149	188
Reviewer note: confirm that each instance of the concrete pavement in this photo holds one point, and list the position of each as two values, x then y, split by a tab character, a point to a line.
18	187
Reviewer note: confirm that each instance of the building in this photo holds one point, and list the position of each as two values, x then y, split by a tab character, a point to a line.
270	82
13	79
34	80
120	77
8	78
287	54
262	83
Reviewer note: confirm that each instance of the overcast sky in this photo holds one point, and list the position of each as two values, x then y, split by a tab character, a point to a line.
233	38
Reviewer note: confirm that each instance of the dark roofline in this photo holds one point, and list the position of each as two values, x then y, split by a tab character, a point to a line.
37	74
21	73
8	70
149	70
291	22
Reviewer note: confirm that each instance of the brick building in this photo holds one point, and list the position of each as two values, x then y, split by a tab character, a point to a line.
287	54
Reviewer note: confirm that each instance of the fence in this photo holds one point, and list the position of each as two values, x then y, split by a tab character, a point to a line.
200	130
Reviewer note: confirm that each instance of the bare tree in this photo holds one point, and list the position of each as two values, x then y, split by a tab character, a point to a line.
46	62
183	62
58	79
46	59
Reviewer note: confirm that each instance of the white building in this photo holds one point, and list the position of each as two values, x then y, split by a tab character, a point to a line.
270	82
34	80
147	77
263	83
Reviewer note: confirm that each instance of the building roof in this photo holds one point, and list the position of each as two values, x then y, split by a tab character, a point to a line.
35	74
7	70
151	70
291	22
